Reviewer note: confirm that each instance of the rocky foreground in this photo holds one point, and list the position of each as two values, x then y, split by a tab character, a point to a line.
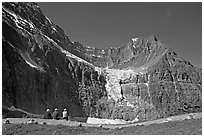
189	124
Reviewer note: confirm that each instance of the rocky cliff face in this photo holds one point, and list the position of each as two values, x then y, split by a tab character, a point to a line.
170	86
43	68
38	71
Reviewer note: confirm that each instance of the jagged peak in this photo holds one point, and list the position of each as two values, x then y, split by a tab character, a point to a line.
25	5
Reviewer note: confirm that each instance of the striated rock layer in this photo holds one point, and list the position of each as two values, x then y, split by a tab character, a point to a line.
37	70
42	68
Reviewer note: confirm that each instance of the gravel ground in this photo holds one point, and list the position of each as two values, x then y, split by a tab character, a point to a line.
185	127
182	124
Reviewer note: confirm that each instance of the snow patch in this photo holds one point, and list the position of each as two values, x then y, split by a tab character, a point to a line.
53	28
67	53
113	77
10	44
130	105
48	20
33	66
91	120
99	70
19	21
103	52
134	39
96	55
30	62
88	50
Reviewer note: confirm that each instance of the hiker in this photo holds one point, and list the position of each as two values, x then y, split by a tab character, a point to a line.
121	82
56	114
47	114
65	114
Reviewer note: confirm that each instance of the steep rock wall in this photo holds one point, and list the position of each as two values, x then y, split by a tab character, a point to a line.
166	88
42	68
38	73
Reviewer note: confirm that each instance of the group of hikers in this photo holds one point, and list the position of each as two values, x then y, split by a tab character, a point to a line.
56	115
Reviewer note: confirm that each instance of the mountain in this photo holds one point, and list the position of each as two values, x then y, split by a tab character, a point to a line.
42	68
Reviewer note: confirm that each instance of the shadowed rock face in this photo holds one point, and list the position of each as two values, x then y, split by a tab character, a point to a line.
43	69
37	70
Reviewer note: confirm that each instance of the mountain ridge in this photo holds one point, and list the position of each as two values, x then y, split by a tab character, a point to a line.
43	68
74	45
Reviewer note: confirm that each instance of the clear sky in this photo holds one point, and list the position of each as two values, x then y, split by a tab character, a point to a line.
104	25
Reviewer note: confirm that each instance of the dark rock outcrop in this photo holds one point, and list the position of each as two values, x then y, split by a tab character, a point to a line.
42	68
37	71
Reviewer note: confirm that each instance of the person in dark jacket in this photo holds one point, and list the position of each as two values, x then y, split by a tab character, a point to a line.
47	114
55	114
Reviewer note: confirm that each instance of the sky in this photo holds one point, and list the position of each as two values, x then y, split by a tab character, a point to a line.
113	24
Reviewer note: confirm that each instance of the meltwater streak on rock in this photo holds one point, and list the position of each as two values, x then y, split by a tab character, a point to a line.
42	69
